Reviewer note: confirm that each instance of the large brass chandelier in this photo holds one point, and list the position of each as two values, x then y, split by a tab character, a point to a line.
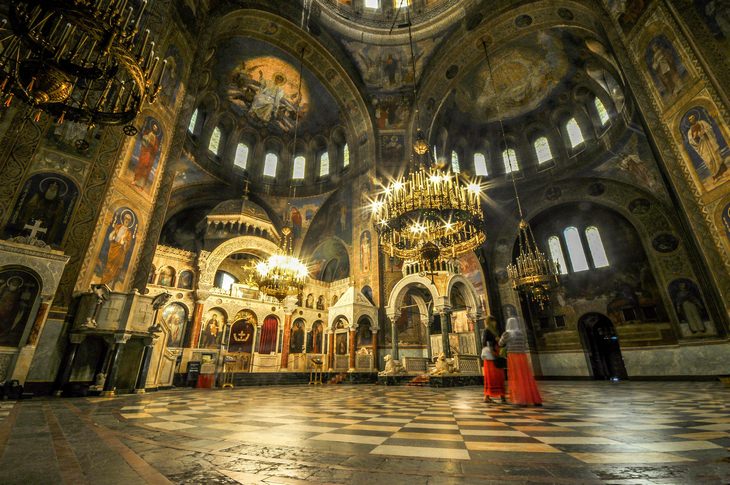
430	213
282	274
87	61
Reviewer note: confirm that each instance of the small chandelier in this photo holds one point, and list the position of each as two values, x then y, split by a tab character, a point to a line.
86	61
282	274
532	273
430	213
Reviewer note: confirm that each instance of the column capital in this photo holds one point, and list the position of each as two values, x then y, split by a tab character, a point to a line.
122	338
76	338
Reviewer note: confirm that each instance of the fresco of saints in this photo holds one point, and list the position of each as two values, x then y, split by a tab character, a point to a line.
665	65
147	153
16	299
315	339
297	338
296	222
211	332
690	308
119	243
703	140
267	99
365	252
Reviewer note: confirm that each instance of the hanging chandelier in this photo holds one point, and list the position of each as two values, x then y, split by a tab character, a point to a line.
282	274
532	273
86	61
430	214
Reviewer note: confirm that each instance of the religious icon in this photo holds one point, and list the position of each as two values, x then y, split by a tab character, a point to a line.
171	80
296	343
166	276
364	336
314	342
213	328
242	332
665	66
18	293
320	303
146	155
706	146
185	281
365	252
341	343
44	208
310	301
175	316
117	248
689	305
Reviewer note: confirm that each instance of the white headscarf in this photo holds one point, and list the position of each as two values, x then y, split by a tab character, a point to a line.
514	326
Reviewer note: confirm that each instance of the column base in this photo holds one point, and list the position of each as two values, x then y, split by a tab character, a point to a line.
139	391
351	369
109	393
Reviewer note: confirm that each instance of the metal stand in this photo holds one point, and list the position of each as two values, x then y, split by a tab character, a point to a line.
315	374
227	375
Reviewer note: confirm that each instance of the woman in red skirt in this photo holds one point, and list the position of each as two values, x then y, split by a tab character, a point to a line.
522	386
493	376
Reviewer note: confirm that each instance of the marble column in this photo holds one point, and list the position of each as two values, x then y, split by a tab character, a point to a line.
429	322
393	338
445	329
373	361
286	341
139	388
75	340
331	350
110	386
351	346
197	324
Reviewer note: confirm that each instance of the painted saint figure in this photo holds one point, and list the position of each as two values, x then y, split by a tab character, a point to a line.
211	332
665	66
119	242
315	339
150	144
268	97
365	252
297	338
690	307
16	299
703	139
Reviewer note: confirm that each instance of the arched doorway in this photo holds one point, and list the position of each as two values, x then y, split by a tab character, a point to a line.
600	341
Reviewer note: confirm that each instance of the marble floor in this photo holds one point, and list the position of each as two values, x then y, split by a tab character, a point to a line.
587	432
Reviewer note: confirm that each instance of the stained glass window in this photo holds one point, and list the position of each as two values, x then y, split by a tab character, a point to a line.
509	157
214	144
480	165
346	155
556	253
299	164
241	158
270	163
574	133
542	149
602	113
324	165
193	122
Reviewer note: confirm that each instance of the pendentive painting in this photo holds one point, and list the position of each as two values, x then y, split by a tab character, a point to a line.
175	316
706	147
18	293
261	82
665	67
117	248
145	159
44	207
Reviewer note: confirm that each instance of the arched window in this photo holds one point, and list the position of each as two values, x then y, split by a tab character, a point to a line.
455	162
542	150
574	133
225	281
575	249
346	155
480	165
324	164
241	159
372	3
270	162
214	144
556	253
193	122
509	157
595	244
602	113
299	164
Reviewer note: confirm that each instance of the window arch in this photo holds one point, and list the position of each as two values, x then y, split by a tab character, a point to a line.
601	109
556	253
595	245
214	144
346	156
299	165
542	150
241	158
509	157
372	4
575	249
324	164
455	162
193	122
270	163
480	165
575	134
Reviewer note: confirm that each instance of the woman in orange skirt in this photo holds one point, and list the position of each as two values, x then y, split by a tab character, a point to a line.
493	376
522	386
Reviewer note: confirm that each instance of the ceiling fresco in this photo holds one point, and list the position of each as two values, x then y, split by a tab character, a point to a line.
525	74
261	83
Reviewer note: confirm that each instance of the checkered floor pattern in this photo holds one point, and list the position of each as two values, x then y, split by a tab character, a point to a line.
596	423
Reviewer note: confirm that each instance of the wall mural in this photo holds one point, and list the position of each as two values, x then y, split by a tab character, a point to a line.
18	292
716	16
185	280
525	73
211	333
142	167
296	341
365	251
175	316
117	248
392	148
46	202
73	138
170	83
262	82
330	261
242	332
392	111
188	173
471	268
665	66
627	11
706	147
726	222
690	308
